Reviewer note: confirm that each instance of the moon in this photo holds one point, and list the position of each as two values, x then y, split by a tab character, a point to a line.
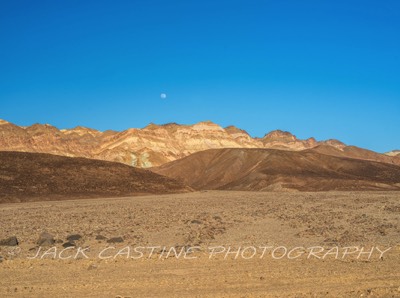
163	96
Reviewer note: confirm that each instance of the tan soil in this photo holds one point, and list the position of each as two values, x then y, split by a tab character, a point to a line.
206	219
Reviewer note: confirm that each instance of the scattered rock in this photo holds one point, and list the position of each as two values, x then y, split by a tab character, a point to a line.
115	240
68	244
74	237
196	221
92	266
331	241
45	239
11	241
101	237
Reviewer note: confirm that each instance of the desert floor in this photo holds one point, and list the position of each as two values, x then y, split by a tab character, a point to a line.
195	225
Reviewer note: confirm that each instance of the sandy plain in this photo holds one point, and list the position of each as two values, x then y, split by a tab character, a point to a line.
196	225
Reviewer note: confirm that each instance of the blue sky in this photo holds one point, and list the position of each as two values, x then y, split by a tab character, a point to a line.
328	69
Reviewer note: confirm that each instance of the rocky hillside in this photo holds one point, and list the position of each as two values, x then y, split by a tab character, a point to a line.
37	176
270	169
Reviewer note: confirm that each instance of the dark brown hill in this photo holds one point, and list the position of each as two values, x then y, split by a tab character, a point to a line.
356	152
37	176
268	169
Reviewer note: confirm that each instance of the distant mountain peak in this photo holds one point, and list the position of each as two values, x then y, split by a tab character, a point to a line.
154	125
279	135
207	122
81	130
206	125
335	143
231	129
395	152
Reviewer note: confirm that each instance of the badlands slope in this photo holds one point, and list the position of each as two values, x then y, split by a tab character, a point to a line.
270	169
37	176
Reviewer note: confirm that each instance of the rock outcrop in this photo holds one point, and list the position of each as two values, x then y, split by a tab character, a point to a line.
393	153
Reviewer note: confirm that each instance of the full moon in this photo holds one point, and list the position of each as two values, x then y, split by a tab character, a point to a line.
163	95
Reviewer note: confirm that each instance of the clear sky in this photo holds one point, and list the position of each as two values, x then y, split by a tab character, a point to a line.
328	69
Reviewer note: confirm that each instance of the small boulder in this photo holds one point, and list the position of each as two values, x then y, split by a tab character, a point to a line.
74	237
100	237
196	222
45	239
92	266
115	240
68	244
11	241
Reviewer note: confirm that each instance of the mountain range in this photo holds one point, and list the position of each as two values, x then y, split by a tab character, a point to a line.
155	145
